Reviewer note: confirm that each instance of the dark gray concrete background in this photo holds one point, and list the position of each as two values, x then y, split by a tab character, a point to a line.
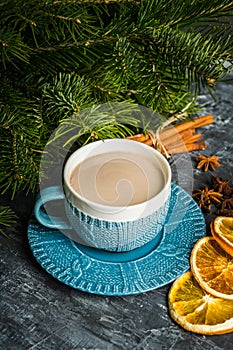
38	312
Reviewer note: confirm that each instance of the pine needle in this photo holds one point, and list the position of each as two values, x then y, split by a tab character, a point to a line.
8	218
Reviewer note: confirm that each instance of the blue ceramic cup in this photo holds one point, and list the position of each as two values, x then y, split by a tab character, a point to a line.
103	224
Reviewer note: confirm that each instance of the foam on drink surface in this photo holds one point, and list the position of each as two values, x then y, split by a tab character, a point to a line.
118	178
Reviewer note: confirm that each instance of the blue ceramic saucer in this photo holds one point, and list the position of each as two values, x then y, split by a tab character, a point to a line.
157	263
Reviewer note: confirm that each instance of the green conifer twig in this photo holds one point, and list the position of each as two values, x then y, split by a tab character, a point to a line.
7	218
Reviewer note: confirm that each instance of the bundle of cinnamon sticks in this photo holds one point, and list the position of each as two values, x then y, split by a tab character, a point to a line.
178	138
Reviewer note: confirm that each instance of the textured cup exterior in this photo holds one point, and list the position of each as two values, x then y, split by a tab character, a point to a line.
117	236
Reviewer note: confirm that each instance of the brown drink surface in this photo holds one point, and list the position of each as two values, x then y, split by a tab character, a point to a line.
118	178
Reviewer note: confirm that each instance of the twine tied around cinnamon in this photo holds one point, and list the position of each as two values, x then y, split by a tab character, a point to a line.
155	136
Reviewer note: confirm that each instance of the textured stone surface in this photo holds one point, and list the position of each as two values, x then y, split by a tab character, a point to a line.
38	312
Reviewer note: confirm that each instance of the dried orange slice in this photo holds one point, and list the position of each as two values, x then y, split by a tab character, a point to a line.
198	311
212	267
222	231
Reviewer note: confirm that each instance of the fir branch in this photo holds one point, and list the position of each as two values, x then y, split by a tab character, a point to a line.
20	137
65	18
21	163
181	48
70	45
17	175
12	48
184	13
7	218
100	122
67	94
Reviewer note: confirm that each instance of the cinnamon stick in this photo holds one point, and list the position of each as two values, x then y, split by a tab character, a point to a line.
149	142
185	141
138	137
192	139
177	137
191	124
188	148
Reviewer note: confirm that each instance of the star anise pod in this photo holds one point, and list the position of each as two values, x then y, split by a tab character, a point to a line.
202	200
214	196
222	186
207	162
227	204
225	212
205	197
204	204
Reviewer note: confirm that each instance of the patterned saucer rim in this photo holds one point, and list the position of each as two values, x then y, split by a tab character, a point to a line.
62	258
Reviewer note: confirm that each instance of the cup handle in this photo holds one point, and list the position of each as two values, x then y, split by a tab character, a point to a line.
46	195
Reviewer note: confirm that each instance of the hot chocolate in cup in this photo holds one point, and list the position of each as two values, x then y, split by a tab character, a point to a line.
116	194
